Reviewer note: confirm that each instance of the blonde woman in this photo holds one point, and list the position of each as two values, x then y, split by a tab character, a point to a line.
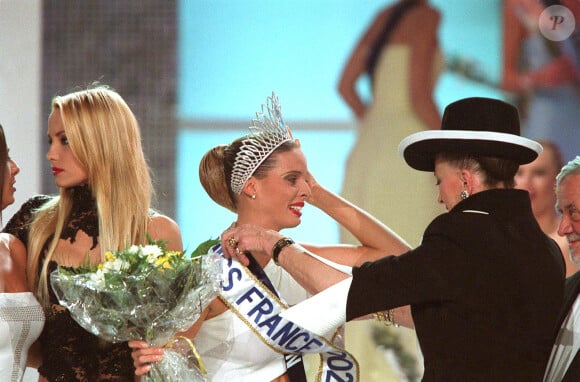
105	188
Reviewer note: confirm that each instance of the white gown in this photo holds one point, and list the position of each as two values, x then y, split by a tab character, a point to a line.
21	322
230	350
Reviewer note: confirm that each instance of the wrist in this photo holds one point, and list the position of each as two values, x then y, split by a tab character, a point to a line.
279	246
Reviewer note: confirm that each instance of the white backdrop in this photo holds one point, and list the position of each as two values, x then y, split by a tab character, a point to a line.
20	98
20	92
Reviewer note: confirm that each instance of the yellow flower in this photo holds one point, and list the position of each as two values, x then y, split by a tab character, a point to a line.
163	262
109	256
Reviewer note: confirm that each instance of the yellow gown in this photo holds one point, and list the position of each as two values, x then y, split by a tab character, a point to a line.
378	180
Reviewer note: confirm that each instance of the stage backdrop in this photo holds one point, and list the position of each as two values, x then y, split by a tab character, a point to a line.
232	54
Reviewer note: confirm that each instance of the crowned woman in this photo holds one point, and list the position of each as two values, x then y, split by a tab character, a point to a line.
263	178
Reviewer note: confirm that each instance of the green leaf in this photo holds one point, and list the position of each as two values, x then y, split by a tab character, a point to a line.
204	247
160	243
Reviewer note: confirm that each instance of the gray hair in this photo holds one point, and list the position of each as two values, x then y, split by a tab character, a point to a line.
570	168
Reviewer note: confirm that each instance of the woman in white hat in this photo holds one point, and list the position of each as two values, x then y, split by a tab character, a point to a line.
484	286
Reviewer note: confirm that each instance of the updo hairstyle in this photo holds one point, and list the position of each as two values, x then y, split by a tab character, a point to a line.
216	166
495	171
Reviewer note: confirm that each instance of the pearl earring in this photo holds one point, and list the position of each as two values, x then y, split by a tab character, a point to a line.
464	194
254	196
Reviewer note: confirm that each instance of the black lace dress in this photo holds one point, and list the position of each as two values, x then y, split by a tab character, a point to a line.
69	352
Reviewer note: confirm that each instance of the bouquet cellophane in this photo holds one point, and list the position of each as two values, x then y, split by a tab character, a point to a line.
145	292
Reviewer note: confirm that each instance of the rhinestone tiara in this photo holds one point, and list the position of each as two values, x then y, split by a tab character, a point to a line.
267	133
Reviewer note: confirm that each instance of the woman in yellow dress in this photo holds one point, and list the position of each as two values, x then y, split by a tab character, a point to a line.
401	55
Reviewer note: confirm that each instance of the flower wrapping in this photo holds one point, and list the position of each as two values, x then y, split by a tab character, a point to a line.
145	292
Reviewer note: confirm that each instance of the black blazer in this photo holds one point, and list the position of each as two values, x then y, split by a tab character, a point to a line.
485	287
570	293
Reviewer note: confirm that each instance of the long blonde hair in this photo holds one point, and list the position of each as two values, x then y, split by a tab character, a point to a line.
104	138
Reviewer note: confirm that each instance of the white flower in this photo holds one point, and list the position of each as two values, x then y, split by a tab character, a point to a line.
98	278
133	249
116	265
152	252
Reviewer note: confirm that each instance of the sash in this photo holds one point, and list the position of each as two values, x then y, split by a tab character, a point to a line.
259	308
294	364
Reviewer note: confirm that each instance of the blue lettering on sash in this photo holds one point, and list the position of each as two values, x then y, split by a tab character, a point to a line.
332	376
286	335
312	341
290	337
248	295
295	348
234	274
217	248
263	307
339	361
230	284
271	323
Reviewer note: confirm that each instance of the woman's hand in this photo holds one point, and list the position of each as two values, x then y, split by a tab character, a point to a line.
143	355
248	238
315	189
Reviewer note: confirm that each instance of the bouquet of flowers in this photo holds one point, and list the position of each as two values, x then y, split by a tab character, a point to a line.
145	292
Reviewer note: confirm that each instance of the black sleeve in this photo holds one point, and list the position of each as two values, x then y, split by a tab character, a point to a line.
428	273
18	225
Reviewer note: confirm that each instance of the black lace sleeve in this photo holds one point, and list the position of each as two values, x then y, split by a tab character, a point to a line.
18	225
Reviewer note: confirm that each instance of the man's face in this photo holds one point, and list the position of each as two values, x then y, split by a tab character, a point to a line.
568	205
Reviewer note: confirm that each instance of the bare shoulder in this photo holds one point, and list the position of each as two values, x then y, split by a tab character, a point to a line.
18	250
162	227
428	13
162	223
4	249
12	248
423	22
418	23
378	23
158	218
12	264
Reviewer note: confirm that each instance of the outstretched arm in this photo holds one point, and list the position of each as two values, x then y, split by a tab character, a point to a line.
297	260
311	273
377	240
561	70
